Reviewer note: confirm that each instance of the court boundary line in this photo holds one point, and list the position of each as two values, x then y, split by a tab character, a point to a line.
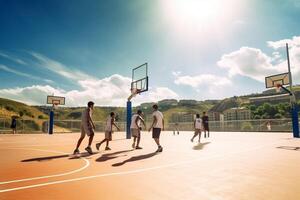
133	171
87	164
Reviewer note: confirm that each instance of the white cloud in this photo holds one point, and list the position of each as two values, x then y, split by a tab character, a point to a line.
204	82
110	91
250	62
295	41
254	63
10	70
12	58
60	68
176	73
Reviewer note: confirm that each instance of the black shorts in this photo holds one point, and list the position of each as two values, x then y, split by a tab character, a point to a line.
156	132
206	128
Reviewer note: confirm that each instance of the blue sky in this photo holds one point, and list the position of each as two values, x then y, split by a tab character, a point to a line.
196	49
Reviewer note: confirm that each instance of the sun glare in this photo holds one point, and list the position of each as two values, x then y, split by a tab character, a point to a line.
196	10
199	15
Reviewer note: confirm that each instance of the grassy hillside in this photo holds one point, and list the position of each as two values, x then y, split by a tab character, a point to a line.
9	108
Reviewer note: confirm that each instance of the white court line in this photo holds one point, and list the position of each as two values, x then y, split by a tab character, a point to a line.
132	171
87	163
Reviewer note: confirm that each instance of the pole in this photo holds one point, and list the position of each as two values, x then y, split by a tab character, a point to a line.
289	67
128	120
51	122
295	109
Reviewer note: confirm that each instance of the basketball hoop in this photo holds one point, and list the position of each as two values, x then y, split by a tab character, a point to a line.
134	92
278	88
55	104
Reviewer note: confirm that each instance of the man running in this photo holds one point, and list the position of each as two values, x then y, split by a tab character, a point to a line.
87	128
157	126
197	127
110	122
205	124
136	128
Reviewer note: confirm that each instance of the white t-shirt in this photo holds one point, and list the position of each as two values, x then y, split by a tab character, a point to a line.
85	116
108	126
133	124
159	119
198	123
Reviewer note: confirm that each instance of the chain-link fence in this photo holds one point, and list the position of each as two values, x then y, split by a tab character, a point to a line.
68	126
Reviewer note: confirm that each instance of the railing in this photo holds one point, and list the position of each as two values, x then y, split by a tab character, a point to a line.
68	126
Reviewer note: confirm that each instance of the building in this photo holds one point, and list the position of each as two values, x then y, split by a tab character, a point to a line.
237	114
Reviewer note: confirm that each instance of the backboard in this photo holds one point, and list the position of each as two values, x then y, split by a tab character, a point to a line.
140	78
274	80
55	100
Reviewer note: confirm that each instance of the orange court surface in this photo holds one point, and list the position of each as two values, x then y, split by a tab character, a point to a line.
225	166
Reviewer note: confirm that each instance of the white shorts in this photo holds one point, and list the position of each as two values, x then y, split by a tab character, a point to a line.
108	135
135	132
86	130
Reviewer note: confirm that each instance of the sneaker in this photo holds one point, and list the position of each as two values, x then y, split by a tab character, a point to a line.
98	146
133	145
76	151
107	148
138	147
89	150
160	149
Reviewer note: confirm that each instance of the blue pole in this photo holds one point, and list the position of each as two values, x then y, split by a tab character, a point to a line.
295	121
128	120
51	122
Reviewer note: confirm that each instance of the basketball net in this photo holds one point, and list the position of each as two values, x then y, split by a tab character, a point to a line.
134	92
55	104
278	88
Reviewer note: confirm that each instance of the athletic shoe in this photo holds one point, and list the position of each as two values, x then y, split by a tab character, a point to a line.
89	150
98	146
160	149
107	148
133	145
138	147
76	151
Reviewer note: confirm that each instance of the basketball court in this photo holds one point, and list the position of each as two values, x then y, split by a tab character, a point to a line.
225	166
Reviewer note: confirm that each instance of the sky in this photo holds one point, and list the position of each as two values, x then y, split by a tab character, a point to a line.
195	49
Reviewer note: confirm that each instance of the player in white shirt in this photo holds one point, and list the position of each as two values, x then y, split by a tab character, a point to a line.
110	122
157	126
87	128
198	127
135	128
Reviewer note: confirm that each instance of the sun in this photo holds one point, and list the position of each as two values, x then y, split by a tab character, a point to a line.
198	14
196	11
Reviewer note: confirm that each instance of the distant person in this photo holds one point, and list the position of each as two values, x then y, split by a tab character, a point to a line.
269	126
87	128
110	122
205	124
176	129
197	127
13	125
136	128
157	126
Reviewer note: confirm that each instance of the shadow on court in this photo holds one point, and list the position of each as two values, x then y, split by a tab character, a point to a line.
289	148
40	159
82	155
135	158
200	146
110	156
